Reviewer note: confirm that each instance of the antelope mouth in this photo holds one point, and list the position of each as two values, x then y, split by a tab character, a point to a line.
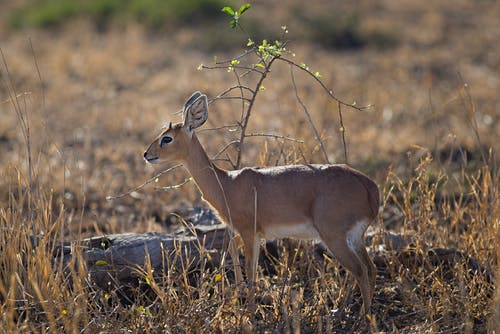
151	160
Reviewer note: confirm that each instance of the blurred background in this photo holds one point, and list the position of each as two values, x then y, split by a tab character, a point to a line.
99	78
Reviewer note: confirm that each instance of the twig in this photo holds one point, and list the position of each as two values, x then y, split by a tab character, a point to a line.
275	137
316	133
234	98
139	187
248	68
243	55
242	96
231	89
227	159
176	186
234	142
342	131
326	89
231	127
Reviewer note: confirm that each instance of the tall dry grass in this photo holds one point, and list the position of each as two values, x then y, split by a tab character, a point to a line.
434	242
441	280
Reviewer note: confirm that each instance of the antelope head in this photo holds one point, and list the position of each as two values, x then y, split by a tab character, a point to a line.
173	143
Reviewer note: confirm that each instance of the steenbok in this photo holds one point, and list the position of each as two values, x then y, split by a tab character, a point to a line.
332	203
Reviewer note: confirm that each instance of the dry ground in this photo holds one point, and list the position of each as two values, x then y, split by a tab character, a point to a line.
104	95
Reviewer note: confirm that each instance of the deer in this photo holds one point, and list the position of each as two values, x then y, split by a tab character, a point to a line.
331	203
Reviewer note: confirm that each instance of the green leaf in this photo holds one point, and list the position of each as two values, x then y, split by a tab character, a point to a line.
233	24
228	10
244	8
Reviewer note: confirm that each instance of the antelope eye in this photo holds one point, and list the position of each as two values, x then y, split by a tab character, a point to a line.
165	140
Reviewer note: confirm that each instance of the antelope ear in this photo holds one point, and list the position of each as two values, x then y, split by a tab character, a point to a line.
195	111
191	99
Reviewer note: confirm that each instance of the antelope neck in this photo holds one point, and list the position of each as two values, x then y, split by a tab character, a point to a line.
210	179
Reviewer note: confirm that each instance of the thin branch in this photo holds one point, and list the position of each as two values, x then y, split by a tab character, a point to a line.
326	89
342	130
231	127
308	115
228	158
139	187
244	74
230	89
248	68
9	100
222	159
176	186
232	98
260	134
242	96
243	55
234	142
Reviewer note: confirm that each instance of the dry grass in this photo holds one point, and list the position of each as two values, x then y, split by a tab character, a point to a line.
104	97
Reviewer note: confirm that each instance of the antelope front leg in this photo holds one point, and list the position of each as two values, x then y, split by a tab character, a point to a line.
233	251
252	247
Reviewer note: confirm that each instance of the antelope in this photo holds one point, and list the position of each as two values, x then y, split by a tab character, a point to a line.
332	203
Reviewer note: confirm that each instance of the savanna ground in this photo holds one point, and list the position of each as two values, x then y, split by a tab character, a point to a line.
95	89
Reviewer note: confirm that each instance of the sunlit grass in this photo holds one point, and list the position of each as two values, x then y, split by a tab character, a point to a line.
106	101
448	266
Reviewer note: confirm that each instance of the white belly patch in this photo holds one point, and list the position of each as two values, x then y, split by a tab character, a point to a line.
304	231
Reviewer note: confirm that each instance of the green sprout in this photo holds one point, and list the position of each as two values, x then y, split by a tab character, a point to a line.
234	62
235	14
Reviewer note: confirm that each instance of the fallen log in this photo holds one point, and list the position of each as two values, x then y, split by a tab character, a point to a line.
119	260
